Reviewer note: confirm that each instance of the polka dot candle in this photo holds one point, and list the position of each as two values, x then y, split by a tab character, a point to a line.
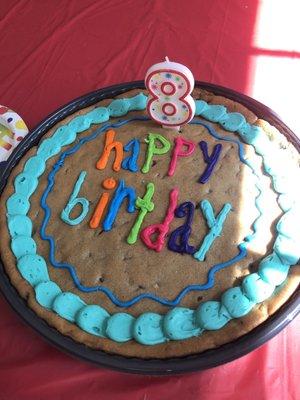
12	131
170	85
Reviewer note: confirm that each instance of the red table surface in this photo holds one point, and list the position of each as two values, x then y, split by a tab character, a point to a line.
54	51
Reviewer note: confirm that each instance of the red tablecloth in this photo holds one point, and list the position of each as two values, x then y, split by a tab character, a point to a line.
54	51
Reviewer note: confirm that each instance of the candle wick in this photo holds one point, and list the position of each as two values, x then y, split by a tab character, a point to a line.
167	59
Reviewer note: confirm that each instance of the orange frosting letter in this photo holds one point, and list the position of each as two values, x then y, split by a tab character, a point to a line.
108	183
110	144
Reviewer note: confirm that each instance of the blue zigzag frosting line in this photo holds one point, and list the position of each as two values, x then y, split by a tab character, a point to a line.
71	269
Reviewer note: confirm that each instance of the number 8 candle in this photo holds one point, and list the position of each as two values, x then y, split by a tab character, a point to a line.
170	85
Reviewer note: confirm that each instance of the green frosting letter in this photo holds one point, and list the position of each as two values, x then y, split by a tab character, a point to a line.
152	149
145	205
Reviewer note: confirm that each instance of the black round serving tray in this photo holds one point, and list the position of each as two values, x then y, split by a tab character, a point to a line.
204	360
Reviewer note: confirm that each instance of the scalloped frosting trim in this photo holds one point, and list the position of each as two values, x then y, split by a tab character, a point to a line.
179	323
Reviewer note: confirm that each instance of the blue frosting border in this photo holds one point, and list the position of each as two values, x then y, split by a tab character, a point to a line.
179	323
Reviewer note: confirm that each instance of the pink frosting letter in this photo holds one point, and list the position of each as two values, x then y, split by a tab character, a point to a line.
163	228
180	142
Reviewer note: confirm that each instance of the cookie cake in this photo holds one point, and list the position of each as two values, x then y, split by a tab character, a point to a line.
158	223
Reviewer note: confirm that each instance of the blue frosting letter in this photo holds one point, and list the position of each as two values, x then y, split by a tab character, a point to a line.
130	162
211	160
73	201
179	237
215	225
120	194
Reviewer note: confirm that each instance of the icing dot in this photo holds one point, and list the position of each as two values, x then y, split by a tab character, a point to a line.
35	166
119	327
201	105
109	183
98	115
67	305
93	319
118	107
23	245
148	329
33	268
179	323
212	315
19	225
214	112
236	302
256	289
272	270
232	121
25	184
287	249
46	292
17	204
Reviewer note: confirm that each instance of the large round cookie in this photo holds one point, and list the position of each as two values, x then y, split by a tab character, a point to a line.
250	241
